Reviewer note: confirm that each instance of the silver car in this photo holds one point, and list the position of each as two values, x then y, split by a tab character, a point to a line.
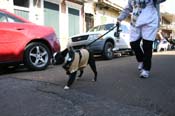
107	44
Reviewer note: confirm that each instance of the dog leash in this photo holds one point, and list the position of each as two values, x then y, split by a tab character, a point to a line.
116	33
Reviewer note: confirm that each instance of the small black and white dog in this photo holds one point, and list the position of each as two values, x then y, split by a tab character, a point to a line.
74	61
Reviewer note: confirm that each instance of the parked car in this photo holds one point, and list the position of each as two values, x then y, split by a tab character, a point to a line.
24	42
108	44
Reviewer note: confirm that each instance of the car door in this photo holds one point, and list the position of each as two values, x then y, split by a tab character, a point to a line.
124	42
9	39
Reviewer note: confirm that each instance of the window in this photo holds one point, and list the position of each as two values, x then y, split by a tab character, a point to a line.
3	18
94	29
124	29
13	19
89	18
74	21
109	26
8	18
37	3
22	3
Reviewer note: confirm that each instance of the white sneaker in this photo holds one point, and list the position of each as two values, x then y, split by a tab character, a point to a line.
140	66
144	74
66	87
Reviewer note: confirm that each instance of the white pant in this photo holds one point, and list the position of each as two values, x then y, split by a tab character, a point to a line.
147	32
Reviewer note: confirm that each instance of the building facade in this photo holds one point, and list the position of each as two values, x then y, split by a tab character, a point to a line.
167	20
67	17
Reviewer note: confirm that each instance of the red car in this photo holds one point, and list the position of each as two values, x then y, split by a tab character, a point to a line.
24	42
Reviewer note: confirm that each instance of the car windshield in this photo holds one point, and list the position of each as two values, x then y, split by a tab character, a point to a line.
102	27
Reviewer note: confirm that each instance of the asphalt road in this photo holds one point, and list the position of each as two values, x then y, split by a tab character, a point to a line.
118	92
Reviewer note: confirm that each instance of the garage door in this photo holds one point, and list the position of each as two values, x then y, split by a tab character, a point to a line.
51	16
74	21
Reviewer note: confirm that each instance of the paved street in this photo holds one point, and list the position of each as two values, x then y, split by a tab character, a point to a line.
118	91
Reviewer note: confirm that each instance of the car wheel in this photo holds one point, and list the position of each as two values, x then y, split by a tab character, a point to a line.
37	56
108	52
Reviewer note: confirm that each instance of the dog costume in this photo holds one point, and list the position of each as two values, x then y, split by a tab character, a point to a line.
77	60
80	60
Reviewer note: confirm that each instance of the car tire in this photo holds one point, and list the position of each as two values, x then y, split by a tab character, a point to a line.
37	56
108	52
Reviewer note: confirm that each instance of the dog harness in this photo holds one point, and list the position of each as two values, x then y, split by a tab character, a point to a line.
80	60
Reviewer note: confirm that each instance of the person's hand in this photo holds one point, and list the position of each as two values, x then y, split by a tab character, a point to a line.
118	23
117	33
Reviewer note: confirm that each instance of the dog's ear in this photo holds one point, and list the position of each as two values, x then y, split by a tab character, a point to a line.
71	53
58	59
64	52
69	59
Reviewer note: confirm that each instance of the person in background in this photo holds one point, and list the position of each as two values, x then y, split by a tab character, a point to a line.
156	43
144	26
171	41
163	41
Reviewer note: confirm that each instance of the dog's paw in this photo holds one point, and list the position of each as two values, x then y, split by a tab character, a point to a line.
94	80
66	87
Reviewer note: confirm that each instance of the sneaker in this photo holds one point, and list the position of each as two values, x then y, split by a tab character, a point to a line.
144	74
66	87
140	66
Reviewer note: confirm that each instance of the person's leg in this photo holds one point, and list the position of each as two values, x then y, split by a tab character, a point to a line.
149	32
136	47
147	48
156	44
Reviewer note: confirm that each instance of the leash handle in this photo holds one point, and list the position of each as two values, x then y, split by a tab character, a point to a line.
117	33
118	26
